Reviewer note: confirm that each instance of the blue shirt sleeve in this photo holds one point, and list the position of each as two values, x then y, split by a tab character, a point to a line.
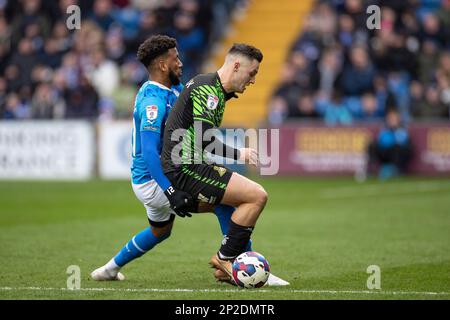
152	111
150	142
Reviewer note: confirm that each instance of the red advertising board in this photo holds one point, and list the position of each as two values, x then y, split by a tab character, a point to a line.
321	150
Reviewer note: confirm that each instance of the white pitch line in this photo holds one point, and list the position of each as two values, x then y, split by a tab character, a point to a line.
226	290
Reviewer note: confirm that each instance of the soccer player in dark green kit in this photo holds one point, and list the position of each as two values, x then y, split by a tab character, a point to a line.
199	108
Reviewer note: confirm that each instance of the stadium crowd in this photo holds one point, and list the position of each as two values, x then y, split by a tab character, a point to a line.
48	71
340	71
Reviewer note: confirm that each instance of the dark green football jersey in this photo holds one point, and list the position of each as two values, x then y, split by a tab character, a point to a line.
203	101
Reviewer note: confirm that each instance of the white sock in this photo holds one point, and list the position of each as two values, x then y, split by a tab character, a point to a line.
112	266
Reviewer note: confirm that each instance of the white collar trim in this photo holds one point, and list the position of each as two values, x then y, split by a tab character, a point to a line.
159	85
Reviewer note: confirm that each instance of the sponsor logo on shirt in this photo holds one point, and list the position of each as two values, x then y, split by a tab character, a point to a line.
212	102
151	128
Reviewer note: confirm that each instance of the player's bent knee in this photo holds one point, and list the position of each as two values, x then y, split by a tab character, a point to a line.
261	197
162	232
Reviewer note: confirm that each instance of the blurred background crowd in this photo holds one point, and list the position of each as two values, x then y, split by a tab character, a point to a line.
340	71
337	69
48	71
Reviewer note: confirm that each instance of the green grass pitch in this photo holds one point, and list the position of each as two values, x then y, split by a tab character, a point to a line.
319	234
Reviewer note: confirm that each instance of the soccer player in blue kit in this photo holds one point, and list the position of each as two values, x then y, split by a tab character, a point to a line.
161	200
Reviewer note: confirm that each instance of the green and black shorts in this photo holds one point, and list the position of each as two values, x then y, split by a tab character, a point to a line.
205	183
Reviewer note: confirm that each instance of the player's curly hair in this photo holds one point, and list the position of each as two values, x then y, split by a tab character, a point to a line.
247	50
154	47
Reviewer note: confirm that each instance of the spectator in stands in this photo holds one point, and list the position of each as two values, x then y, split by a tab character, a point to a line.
34	34
431	107
82	101
165	13
306	74
191	41
103	73
88	38
278	111
329	68
346	31
443	13
306	108
334	110
12	77
392	148
398	85
115	45
41	73
102	14
148	26
5	43
443	78
134	72
56	46
288	90
25	60
31	14
432	30
427	61
70	70
365	108
358	75
15	109
416	89
3	94
355	10
44	104
127	20
123	98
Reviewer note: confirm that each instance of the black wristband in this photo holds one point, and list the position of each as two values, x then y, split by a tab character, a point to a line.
227	150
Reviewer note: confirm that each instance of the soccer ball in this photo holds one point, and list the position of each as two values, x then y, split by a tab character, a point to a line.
250	270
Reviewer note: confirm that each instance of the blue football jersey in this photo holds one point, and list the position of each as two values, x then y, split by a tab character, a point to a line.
151	109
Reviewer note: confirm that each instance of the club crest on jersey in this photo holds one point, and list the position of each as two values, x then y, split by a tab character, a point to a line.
220	170
212	102
152	112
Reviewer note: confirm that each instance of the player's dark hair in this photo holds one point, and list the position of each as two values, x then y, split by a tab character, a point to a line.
247	50
154	47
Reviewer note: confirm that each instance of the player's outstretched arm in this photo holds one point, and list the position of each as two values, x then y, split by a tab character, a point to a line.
248	155
178	199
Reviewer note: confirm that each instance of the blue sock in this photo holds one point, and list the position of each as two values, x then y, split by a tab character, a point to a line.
223	213
137	246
